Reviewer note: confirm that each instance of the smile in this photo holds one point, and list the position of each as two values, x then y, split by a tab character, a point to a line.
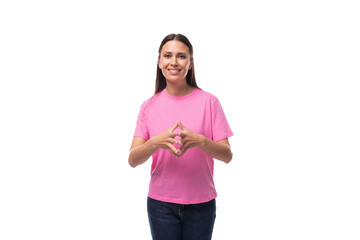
174	71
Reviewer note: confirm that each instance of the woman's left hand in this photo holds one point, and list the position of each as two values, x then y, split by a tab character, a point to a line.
189	139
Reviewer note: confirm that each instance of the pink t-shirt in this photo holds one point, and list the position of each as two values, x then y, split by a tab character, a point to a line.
189	178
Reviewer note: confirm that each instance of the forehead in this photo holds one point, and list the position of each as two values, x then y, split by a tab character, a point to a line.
175	46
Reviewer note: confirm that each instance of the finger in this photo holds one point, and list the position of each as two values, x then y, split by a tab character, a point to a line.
183	151
173	127
184	146
173	141
181	126
174	134
184	140
182	135
173	150
174	154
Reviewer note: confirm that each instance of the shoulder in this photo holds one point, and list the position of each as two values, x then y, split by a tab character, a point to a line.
146	103
208	96
212	101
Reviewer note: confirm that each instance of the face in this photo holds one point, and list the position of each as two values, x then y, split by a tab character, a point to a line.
175	61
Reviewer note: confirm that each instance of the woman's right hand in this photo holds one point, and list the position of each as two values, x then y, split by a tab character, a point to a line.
166	140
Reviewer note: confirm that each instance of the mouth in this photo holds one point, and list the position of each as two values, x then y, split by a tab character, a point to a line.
174	71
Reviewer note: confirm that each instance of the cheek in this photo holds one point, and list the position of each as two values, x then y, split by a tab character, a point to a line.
162	63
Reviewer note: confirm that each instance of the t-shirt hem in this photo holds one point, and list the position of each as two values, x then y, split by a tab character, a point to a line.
138	135
225	136
177	201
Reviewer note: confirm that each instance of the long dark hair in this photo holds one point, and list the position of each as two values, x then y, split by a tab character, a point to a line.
160	83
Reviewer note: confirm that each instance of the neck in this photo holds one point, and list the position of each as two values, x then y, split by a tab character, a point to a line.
178	90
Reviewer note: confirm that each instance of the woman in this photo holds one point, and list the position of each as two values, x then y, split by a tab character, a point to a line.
183	128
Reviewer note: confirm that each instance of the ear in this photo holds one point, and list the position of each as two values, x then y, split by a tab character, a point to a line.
159	64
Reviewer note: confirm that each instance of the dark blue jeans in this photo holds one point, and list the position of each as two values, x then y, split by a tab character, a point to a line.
171	221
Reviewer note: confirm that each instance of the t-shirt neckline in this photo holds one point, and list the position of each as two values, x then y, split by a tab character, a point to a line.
181	97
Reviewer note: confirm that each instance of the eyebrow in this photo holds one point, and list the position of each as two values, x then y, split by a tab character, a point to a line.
177	53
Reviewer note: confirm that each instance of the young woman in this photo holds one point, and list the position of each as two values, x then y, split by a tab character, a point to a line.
183	128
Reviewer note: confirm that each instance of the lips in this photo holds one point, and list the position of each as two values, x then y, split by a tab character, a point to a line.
174	71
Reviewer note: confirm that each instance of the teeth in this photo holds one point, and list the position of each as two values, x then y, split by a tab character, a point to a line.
171	70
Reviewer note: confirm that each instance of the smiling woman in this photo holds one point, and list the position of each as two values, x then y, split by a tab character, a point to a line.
175	61
183	128
175	54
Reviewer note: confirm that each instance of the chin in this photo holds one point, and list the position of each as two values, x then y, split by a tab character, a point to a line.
174	79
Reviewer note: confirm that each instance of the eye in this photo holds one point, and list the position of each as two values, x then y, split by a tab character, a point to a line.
182	56
167	55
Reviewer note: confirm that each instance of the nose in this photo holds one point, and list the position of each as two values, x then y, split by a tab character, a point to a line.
174	61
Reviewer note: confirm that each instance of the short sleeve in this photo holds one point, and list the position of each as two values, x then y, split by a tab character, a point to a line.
141	129
220	125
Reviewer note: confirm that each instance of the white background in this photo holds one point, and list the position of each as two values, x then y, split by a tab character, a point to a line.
74	74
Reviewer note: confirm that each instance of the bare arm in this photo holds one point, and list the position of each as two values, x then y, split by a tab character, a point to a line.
220	150
140	151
